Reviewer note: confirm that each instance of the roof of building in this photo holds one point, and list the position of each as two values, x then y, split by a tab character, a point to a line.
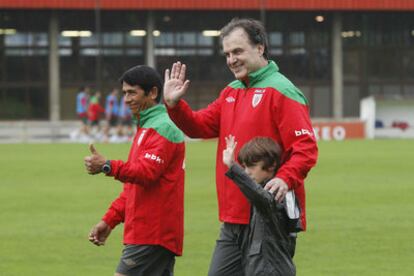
303	5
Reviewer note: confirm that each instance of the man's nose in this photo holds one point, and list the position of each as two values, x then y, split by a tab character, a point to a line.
231	58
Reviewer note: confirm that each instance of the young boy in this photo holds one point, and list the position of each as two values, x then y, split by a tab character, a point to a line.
268	244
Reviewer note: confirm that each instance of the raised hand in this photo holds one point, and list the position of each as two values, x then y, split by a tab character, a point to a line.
95	161
228	153
175	84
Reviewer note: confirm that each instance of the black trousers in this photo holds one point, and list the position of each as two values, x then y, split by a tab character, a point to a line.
227	255
146	260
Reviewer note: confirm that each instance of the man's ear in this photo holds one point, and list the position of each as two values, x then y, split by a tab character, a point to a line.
260	49
153	93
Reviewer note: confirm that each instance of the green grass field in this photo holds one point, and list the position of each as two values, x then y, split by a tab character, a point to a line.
360	204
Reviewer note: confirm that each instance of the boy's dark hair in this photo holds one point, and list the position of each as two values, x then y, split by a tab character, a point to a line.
254	30
145	77
260	149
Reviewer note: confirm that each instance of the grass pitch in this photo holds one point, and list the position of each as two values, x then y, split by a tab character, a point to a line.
360	204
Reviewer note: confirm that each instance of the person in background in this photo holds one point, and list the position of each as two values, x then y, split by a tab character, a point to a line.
111	112
260	102
125	123
95	111
82	103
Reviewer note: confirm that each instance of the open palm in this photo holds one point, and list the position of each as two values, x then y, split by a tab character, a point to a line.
175	84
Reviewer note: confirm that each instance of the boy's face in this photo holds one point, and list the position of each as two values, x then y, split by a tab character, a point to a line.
257	173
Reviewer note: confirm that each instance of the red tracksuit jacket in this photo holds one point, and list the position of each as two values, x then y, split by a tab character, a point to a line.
270	105
151	204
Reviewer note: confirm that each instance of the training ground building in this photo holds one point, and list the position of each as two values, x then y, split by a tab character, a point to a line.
336	52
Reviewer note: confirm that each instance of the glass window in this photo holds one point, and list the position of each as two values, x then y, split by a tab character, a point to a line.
205	52
186	39
89	40
276	51
65	52
205	40
64	41
322	96
26	39
275	39
112	52
165	52
26	52
320	64
186	52
297	38
89	52
17	39
384	64
408	65
134	52
112	39
164	39
351	67
134	40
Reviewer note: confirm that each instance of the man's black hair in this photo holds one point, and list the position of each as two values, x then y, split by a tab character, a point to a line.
145	77
254	30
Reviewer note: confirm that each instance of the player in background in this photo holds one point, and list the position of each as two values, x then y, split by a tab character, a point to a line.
95	111
111	113
125	130
82	103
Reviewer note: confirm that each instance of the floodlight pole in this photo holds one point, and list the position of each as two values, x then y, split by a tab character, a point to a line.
54	73
263	12
149	43
337	70
98	70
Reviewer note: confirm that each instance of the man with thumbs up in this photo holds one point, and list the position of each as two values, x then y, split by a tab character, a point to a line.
151	205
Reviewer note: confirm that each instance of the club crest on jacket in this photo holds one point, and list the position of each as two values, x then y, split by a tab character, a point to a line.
257	97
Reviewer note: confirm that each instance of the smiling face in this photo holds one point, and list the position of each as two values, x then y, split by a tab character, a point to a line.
258	174
242	57
136	99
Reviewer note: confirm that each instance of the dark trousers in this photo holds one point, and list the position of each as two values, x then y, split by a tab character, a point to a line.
227	256
146	260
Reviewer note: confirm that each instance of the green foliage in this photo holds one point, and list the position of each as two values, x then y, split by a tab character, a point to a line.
360	201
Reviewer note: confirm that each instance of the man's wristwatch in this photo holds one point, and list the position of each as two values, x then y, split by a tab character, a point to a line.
106	168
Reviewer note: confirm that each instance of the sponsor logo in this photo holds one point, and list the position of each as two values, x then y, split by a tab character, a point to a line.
303	131
154	158
328	133
230	99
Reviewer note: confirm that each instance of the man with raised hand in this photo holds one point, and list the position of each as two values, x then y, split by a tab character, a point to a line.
151	205
260	102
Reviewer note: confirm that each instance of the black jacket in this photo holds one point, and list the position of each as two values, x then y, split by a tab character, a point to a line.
267	251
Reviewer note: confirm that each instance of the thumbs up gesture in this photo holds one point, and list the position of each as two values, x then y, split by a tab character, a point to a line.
95	161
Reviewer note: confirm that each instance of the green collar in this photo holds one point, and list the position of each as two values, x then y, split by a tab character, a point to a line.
262	73
151	112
